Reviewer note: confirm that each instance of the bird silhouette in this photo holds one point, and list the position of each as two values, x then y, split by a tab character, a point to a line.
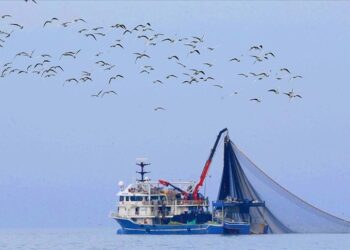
255	99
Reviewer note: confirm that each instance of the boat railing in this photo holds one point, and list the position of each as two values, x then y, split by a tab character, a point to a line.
176	203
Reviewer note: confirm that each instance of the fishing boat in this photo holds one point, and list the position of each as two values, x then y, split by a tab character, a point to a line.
164	207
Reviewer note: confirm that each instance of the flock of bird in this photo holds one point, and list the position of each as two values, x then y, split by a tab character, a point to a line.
46	65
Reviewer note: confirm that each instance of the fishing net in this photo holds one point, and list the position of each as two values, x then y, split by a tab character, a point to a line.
283	211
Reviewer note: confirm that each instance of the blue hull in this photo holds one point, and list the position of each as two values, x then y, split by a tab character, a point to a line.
130	227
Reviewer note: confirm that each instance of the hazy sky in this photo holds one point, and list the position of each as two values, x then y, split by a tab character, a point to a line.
62	152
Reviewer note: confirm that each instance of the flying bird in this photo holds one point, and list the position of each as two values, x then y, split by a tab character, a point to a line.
169	40
217	85
109	92
270	53
92	35
255	99
285	69
114	78
79	19
159	108
242	74
158	81
274	91
234	59
183	65
17	25
98	94
195	50
295	77
118	44
169	76
72	79
257	47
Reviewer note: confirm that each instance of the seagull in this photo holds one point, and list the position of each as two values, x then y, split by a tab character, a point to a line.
295	77
290	94
142	55
98	94
118	44
200	39
195	50
255	99
270	53
92	35
50	21
234	59
17	25
242	74
85	78
259	47
110	67
144	36
168	76
144	71
97	28
103	63
285	69
171	57
197	72
158	81
72	79
208	78
127	31
169	40
38	64
274	91
80	19
114	78
100	34
57	67
109	92
263	74
159	108
191	45
183	65
82	30
208	64
122	26
66	24
217	85
4	16
148	67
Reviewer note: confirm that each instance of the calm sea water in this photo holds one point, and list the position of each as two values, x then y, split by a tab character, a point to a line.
106	239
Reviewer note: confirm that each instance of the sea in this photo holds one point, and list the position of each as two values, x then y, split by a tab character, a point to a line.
107	239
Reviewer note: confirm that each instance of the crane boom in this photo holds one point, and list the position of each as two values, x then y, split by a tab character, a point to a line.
166	183
207	165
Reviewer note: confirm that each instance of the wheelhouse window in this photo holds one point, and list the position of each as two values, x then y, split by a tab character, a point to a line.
135	198
121	198
154	198
126	198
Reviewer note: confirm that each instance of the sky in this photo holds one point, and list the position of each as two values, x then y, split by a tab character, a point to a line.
62	151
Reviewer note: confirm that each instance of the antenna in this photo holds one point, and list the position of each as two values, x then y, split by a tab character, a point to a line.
142	164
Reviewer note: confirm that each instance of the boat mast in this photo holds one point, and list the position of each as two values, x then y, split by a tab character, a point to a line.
142	172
